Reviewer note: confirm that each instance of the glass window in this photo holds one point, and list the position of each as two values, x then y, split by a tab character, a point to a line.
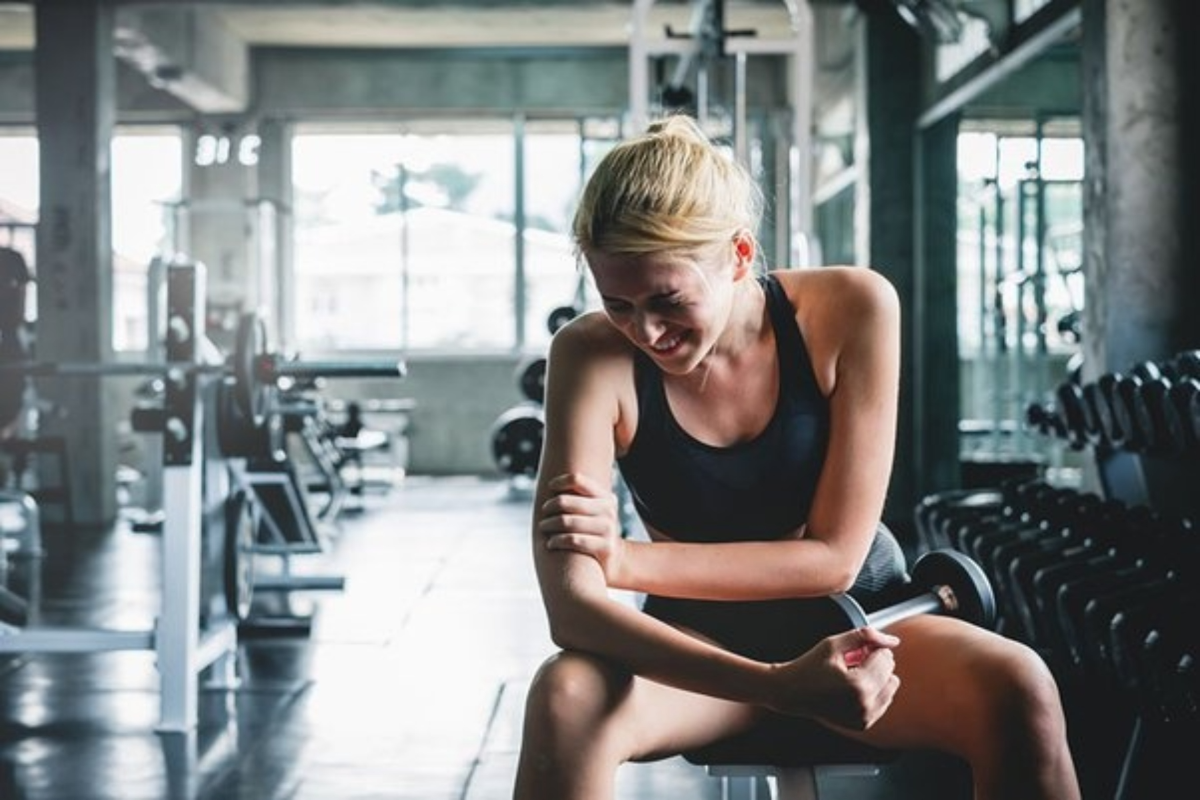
554	164
1019	242
147	175
19	201
147	180
405	240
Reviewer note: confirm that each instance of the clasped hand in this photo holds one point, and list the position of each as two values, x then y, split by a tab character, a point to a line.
581	516
847	680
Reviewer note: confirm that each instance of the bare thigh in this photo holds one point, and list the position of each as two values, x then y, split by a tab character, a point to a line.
657	721
954	678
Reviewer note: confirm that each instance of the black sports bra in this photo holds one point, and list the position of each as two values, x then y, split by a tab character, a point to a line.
755	490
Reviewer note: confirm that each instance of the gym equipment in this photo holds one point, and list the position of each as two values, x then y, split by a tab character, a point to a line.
531	379
953	585
559	317
253	369
199	497
517	440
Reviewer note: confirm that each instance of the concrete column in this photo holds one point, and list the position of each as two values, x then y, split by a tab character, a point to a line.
222	235
275	188
891	99
75	102
1143	282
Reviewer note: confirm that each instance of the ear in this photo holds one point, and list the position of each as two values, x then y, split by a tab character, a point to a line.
744	248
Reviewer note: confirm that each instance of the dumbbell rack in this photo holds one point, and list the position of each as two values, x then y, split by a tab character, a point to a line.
182	647
1142	427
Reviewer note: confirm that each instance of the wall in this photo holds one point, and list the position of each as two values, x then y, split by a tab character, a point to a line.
458	398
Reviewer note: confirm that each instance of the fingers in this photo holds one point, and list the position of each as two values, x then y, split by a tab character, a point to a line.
858	645
578	543
579	504
578	483
869	665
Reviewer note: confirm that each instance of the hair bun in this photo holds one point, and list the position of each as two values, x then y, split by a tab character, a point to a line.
680	125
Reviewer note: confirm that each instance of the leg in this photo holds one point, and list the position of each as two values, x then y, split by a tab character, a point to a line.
988	699
585	717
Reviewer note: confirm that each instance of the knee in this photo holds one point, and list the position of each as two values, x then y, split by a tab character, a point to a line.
574	691
1023	701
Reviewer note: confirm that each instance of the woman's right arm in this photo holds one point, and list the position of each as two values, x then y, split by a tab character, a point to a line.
585	372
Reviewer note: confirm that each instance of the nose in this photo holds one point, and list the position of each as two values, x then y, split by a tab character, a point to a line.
648	325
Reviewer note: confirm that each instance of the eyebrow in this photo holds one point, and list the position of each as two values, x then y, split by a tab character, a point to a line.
657	296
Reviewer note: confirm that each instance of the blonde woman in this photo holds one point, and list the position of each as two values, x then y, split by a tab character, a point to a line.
752	417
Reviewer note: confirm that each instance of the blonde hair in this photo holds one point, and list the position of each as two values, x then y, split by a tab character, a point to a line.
667	189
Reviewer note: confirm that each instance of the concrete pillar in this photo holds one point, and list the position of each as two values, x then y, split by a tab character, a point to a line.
933	316
1143	279
275	188
222	233
75	106
890	100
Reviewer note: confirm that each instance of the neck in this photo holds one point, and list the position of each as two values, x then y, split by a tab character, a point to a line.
743	330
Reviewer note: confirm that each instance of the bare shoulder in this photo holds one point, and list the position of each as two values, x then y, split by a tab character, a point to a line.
589	340
589	355
841	312
838	290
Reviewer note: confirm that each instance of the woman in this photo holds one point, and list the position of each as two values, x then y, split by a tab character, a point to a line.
752	419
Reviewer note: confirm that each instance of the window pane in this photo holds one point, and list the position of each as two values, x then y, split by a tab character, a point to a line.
552	185
404	240
147	178
147	174
19	203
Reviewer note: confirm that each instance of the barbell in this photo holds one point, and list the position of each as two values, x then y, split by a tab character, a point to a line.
254	370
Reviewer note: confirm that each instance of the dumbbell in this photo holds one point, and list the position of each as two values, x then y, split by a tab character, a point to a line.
952	585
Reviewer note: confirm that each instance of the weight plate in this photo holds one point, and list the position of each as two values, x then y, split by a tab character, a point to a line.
240	529
531	380
253	394
517	440
964	577
560	317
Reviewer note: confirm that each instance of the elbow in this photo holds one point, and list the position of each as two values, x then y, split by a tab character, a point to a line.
840	572
842	581
569	629
563	635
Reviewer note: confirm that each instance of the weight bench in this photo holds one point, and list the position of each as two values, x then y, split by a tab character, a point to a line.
788	753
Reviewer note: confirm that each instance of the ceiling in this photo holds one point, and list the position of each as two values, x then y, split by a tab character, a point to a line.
429	24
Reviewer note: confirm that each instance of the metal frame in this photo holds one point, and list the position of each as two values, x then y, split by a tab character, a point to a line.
181	647
742	781
799	47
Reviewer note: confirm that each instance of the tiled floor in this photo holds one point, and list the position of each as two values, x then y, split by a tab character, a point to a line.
409	686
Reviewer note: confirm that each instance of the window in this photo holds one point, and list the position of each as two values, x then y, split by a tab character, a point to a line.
1020	242
147	181
556	160
407	239
404	240
147	176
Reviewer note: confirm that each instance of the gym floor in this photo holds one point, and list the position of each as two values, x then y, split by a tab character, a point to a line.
409	685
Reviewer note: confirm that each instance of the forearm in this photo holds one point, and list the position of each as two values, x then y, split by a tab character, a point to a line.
584	617
736	570
656	651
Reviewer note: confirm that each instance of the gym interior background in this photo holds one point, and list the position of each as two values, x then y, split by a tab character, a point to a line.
364	206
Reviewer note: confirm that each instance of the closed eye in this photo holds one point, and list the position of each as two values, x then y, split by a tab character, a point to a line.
616	306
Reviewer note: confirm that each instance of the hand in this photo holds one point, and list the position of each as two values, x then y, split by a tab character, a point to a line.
846	681
581	517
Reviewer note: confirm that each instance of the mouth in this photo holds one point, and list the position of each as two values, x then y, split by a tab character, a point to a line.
668	345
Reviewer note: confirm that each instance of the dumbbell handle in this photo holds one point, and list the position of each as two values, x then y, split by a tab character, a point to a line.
938	599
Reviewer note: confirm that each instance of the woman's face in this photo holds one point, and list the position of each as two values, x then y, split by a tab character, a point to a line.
672	305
